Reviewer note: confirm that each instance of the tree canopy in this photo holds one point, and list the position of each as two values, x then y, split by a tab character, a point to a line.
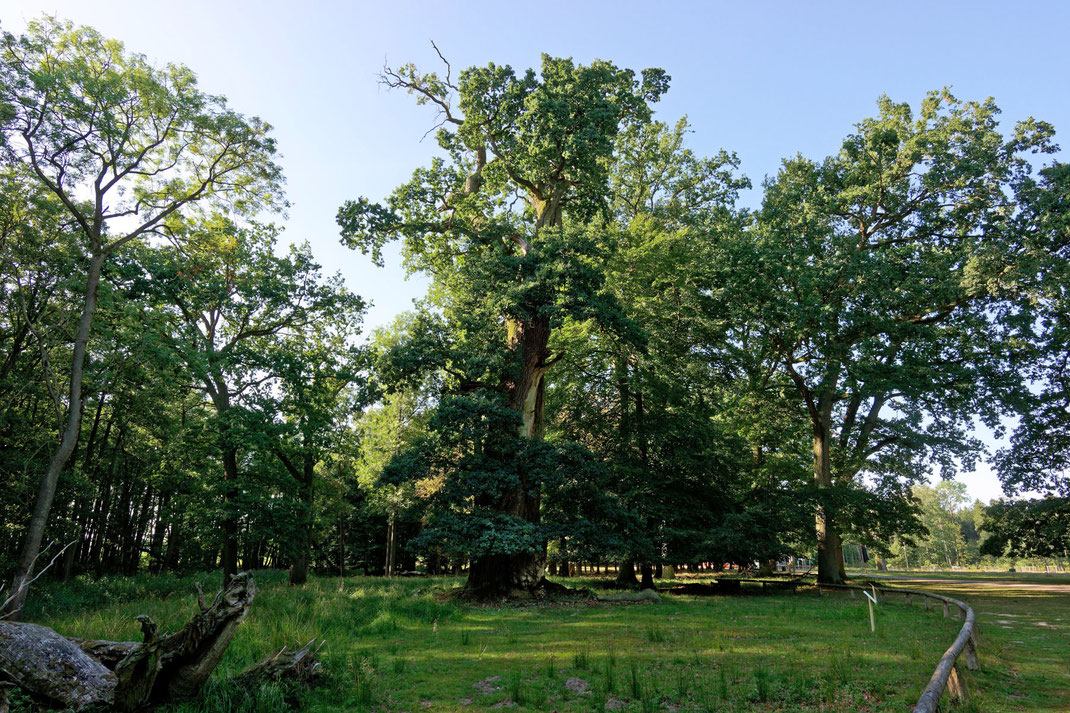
615	363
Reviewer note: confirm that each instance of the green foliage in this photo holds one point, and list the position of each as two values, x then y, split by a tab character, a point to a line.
110	150
158	142
879	283
1038	458
1027	528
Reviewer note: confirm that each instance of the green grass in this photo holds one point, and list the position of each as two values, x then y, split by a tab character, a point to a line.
399	646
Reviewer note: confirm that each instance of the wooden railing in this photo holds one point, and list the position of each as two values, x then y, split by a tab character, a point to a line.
946	675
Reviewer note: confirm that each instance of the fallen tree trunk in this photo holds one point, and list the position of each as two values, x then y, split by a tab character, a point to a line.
129	676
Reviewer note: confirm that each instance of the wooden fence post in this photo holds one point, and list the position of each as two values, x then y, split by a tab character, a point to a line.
970	651
956	686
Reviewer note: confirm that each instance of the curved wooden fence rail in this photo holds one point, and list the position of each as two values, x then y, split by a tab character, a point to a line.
946	674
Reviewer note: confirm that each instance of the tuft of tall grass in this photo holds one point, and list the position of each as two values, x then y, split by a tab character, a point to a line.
636	683
685	679
516	688
362	681
610	675
763	683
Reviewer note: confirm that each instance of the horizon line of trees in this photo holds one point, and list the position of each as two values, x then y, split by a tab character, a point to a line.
615	362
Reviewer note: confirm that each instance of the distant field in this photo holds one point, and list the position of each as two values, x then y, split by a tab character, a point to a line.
995	576
396	646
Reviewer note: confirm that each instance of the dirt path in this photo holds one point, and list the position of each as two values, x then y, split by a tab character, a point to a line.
993	583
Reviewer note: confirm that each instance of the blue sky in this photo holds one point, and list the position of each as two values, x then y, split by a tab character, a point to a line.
764	79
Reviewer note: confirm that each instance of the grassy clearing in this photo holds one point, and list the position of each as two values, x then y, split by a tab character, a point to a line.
397	646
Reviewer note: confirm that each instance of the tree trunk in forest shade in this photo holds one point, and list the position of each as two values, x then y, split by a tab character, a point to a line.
305	477
229	557
84	501
647	573
626	573
390	566
341	548
173	551
35	531
563	564
163	519
136	535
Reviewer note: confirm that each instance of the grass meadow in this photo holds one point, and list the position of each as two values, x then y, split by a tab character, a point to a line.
402	645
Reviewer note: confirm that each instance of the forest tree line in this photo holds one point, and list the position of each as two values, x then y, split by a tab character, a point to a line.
616	361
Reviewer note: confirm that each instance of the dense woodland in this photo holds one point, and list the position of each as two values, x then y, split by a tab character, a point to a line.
615	363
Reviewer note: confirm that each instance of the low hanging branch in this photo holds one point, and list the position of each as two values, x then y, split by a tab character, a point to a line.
61	672
5	612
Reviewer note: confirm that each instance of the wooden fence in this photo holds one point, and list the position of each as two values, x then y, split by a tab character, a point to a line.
946	674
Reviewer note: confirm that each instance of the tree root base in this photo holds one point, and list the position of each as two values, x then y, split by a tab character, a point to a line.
543	591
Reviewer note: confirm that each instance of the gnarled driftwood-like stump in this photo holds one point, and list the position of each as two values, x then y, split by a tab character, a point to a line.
132	676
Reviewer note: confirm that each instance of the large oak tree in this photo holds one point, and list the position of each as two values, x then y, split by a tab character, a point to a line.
501	226
882	281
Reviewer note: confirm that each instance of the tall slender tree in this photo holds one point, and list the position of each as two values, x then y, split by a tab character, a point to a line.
124	146
231	304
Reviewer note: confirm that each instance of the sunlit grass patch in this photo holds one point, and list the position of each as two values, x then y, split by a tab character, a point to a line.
402	646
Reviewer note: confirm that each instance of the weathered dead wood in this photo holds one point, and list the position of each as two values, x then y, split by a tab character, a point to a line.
5	707
130	676
300	666
51	669
188	657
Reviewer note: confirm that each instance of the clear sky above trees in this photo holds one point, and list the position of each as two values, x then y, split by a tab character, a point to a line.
765	80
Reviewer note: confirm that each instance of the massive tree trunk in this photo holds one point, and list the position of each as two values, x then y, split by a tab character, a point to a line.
503	574
829	545
819	406
35	531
